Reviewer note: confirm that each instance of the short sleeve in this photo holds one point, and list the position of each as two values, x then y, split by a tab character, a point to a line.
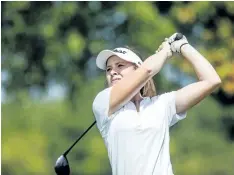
173	117
101	107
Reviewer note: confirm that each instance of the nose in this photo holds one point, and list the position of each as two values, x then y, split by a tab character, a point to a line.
113	72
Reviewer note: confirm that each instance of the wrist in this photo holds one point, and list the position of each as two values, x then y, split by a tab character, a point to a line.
183	47
188	50
166	53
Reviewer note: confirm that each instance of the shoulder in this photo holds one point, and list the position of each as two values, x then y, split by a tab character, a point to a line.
165	97
102	95
101	107
102	99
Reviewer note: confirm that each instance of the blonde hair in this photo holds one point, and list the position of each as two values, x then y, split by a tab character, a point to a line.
149	89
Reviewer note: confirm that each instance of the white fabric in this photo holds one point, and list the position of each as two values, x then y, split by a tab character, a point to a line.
138	143
123	53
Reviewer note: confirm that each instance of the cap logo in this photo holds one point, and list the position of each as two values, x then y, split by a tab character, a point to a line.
119	51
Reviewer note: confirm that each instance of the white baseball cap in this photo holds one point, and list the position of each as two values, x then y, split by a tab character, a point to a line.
121	52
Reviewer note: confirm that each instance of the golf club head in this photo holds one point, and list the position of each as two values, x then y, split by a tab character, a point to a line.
62	166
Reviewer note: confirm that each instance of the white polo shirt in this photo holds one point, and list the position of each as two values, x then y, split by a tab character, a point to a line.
138	143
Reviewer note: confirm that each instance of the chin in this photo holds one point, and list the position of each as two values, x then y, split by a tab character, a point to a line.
111	84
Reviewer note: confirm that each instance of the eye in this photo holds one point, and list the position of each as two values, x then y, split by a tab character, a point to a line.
120	65
108	69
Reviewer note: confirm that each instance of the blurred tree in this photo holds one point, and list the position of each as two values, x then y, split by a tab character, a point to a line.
55	40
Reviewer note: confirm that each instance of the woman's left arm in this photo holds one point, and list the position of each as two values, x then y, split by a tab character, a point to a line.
209	80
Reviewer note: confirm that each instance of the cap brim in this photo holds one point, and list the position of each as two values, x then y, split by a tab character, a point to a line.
122	53
103	57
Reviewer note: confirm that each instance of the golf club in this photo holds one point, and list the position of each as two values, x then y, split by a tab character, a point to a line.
178	36
62	166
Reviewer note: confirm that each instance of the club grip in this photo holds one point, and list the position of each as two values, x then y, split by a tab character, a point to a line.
178	36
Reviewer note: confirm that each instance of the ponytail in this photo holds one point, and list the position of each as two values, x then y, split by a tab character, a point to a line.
149	89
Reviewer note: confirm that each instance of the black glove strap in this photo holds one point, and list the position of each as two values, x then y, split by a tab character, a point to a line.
182	45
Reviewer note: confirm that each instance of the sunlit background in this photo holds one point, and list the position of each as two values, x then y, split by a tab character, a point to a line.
49	81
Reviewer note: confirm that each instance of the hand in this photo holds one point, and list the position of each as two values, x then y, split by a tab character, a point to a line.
165	46
177	44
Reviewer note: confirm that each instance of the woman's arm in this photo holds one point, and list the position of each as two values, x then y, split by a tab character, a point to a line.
209	80
130	85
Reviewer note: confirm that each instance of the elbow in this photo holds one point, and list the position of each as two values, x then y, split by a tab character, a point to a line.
216	82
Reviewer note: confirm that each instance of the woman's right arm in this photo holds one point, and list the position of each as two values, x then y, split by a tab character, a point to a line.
130	85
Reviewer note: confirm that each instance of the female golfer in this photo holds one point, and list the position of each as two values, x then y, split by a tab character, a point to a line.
133	121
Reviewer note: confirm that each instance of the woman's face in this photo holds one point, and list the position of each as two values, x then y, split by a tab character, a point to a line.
117	68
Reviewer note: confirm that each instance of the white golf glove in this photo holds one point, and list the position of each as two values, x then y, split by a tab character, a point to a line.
177	44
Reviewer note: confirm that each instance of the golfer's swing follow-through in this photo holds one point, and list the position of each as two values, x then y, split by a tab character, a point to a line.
133	121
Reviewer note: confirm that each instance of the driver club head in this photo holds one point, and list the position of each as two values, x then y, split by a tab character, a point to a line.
62	166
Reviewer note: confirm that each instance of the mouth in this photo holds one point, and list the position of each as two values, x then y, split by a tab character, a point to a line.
115	80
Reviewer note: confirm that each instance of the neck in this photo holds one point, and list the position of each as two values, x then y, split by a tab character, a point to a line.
137	98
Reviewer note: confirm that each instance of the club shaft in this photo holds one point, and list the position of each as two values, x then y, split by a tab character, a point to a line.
69	149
